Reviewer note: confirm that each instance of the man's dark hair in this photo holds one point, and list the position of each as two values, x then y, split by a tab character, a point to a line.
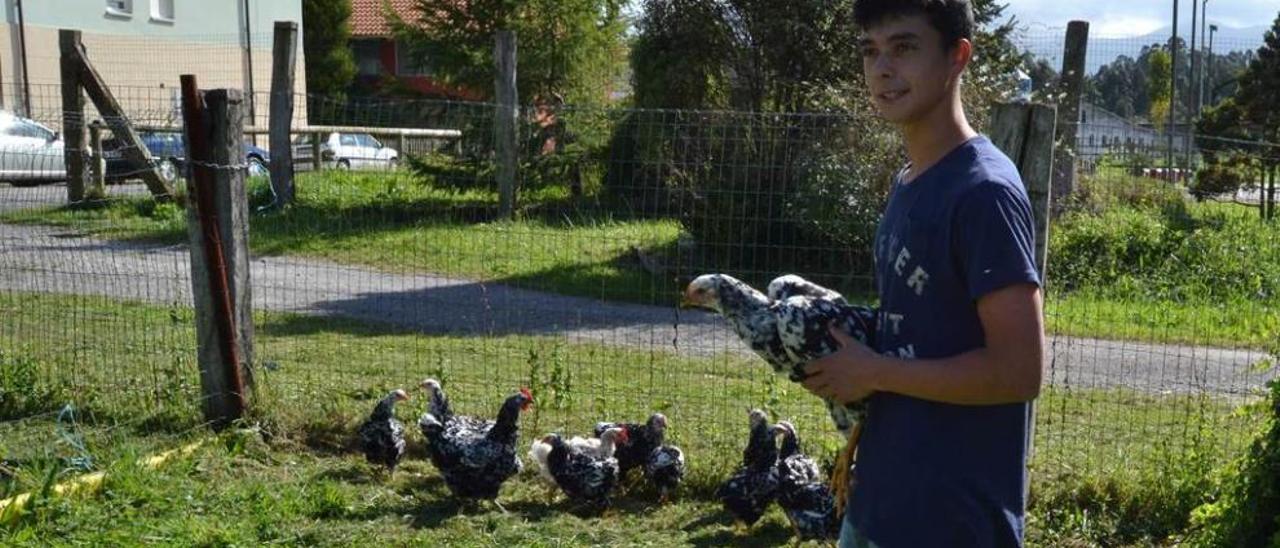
953	19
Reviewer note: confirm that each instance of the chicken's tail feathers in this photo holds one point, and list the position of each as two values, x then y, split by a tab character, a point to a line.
538	453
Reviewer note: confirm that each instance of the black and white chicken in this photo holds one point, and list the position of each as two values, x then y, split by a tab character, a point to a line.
642	439
584	475
474	456
665	470
604	445
789	327
382	435
748	493
803	496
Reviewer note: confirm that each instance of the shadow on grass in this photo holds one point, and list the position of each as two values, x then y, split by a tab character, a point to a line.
762	534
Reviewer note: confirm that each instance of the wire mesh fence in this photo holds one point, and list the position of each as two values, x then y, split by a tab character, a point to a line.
392	266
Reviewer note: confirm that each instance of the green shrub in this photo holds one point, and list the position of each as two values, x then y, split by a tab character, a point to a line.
1202	254
758	192
1108	190
21	391
1217	179
1248	512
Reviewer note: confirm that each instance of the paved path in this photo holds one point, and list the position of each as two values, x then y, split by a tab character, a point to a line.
54	260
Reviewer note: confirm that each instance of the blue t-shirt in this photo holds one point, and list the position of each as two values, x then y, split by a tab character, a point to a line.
928	473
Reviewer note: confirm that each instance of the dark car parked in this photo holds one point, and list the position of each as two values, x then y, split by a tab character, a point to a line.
168	150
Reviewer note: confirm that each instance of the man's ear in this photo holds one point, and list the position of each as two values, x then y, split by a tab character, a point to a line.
961	54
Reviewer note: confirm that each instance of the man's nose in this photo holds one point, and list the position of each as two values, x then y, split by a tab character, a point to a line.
882	66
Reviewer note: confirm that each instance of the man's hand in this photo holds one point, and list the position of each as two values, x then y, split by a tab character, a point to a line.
846	375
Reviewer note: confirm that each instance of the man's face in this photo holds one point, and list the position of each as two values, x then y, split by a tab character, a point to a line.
908	71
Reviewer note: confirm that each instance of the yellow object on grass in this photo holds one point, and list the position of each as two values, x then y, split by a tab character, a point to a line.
12	507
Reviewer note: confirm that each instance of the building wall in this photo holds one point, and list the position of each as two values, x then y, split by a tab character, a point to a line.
140	58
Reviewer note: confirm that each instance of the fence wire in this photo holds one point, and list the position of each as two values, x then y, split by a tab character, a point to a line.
392	267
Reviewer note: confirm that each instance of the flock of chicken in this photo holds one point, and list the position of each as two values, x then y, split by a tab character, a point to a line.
787	326
476	456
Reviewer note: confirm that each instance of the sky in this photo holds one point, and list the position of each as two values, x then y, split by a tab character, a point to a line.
1119	18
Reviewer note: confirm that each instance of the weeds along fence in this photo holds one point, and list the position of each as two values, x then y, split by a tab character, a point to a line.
1162	309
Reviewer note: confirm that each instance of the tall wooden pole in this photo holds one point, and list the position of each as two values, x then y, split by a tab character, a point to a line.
284	56
505	119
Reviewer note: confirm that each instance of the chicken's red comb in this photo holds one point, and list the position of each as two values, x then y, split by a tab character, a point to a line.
526	392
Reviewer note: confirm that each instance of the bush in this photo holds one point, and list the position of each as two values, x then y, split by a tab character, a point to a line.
1217	179
1096	194
1206	254
21	391
1248	513
758	192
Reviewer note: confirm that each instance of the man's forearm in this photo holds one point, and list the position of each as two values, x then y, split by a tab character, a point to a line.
977	377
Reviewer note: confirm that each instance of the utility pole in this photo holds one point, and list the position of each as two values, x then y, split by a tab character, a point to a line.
1213	29
1195	99
1204	19
1173	87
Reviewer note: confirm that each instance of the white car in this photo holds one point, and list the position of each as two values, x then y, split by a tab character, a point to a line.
346	151
30	153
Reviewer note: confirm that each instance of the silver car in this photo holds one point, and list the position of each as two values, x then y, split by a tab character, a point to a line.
346	151
30	153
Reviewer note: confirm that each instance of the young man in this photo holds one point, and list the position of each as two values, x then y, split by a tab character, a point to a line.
941	460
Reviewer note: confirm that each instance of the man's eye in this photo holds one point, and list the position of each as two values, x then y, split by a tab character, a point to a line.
903	48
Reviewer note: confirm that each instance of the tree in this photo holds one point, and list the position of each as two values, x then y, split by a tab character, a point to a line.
1159	75
1237	135
760	55
1259	92
1044	78
326	30
1258	96
570	48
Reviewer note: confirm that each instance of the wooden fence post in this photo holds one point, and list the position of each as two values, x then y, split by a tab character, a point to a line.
316	162
132	147
97	162
505	120
1072	88
1025	132
284	56
217	223
73	120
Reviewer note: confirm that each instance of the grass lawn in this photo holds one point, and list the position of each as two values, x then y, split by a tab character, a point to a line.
1112	467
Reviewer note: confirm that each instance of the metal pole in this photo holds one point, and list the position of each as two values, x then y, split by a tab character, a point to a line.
1204	19
1195	100
1173	87
1213	29
22	45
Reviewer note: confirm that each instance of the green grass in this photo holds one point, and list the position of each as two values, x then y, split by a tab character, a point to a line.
1112	466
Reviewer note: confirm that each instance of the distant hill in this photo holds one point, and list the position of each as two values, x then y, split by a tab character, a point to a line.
1047	43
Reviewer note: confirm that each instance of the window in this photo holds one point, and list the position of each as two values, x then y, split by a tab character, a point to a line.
21	128
405	65
367	54
120	8
162	11
367	140
349	140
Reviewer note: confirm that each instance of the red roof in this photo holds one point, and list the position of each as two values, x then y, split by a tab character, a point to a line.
369	21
